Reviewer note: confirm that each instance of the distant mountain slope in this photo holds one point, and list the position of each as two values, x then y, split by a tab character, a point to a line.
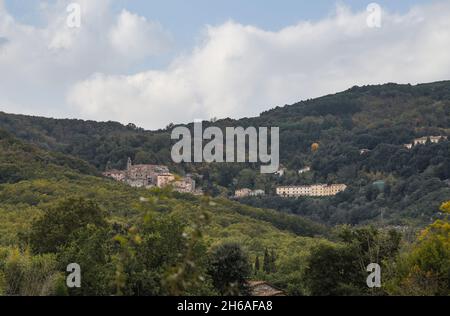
371	115
380	119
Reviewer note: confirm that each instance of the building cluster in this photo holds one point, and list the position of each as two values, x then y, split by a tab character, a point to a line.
316	190
242	193
148	176
424	140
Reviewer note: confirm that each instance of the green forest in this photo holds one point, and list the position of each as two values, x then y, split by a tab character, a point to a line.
57	209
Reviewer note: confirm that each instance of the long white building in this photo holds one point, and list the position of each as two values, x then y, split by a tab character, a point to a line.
311	190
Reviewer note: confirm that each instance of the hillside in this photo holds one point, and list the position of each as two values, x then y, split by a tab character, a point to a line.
21	161
375	114
55	209
42	180
378	118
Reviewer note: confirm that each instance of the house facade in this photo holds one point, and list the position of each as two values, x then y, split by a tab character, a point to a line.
316	190
424	140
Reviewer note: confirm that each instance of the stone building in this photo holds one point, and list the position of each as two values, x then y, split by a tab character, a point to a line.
164	179
118	175
185	185
145	174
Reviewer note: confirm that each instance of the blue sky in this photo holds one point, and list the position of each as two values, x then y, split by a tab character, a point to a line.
186	18
192	14
156	62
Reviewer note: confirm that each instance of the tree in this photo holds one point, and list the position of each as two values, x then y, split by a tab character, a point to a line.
266	262
146	253
315	147
257	265
341	269
55	228
91	248
229	269
333	270
425	269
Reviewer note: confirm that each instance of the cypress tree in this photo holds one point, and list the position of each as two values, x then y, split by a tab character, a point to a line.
257	266
266	263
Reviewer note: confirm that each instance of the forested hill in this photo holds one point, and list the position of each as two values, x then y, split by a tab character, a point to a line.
378	118
54	210
365	116
20	161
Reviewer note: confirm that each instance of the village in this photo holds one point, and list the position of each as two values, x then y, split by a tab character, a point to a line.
150	176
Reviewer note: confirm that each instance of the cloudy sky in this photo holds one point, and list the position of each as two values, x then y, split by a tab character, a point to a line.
157	62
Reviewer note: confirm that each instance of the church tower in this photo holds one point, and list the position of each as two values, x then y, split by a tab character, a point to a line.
129	164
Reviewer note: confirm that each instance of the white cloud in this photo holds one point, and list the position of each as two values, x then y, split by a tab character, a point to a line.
242	70
236	70
38	64
134	36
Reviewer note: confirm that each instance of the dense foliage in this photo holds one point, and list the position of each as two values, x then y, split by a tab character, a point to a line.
128	241
378	118
229	269
55	209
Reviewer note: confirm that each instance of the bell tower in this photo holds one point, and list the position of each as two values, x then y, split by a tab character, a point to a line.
129	164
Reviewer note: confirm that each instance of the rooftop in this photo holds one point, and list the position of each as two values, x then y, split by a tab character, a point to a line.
263	288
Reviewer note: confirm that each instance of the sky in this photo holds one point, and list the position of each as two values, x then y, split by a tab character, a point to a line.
152	63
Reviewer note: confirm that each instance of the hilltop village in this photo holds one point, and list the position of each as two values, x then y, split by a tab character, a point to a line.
150	176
